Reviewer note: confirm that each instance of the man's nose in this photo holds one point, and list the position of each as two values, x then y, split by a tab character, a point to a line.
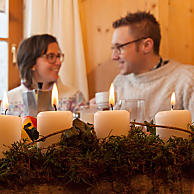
115	55
58	62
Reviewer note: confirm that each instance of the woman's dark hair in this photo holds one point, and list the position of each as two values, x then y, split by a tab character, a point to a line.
28	52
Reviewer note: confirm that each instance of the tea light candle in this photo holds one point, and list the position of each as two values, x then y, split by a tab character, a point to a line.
10	129
113	122
52	121
173	118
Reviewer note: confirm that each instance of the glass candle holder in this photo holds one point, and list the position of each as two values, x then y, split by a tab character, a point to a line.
136	107
87	113
102	100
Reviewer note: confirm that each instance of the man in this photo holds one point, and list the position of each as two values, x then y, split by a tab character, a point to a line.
143	73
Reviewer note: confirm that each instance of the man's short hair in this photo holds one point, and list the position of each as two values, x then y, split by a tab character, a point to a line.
142	24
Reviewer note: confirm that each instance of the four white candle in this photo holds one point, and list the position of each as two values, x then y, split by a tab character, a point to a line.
113	122
173	118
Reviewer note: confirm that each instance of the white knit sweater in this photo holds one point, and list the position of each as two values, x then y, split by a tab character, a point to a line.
156	87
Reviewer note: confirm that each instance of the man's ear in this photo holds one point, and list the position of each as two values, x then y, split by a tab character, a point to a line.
148	45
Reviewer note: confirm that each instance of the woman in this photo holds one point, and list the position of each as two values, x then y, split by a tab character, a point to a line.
39	59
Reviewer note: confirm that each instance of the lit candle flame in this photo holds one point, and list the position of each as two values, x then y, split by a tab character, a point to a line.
173	100
112	96
5	102
54	96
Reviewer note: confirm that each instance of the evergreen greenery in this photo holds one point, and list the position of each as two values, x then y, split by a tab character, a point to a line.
81	158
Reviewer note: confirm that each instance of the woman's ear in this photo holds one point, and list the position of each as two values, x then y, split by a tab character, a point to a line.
148	45
34	68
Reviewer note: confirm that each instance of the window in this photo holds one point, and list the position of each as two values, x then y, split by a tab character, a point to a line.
11	13
4	21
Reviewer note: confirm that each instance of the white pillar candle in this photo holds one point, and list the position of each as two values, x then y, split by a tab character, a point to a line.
114	122
173	118
50	122
10	131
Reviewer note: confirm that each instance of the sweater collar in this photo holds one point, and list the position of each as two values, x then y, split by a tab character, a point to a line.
155	74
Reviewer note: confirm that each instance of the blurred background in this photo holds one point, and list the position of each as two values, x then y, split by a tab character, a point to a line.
84	31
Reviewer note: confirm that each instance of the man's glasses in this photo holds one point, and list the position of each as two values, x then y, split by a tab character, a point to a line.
52	57
119	47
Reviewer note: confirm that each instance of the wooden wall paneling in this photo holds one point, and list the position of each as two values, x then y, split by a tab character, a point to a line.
191	10
180	31
97	23
163	20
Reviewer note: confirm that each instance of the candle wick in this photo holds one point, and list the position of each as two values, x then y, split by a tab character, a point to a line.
172	107
111	106
6	111
55	107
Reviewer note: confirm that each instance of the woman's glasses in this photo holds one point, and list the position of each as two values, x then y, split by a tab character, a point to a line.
52	57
